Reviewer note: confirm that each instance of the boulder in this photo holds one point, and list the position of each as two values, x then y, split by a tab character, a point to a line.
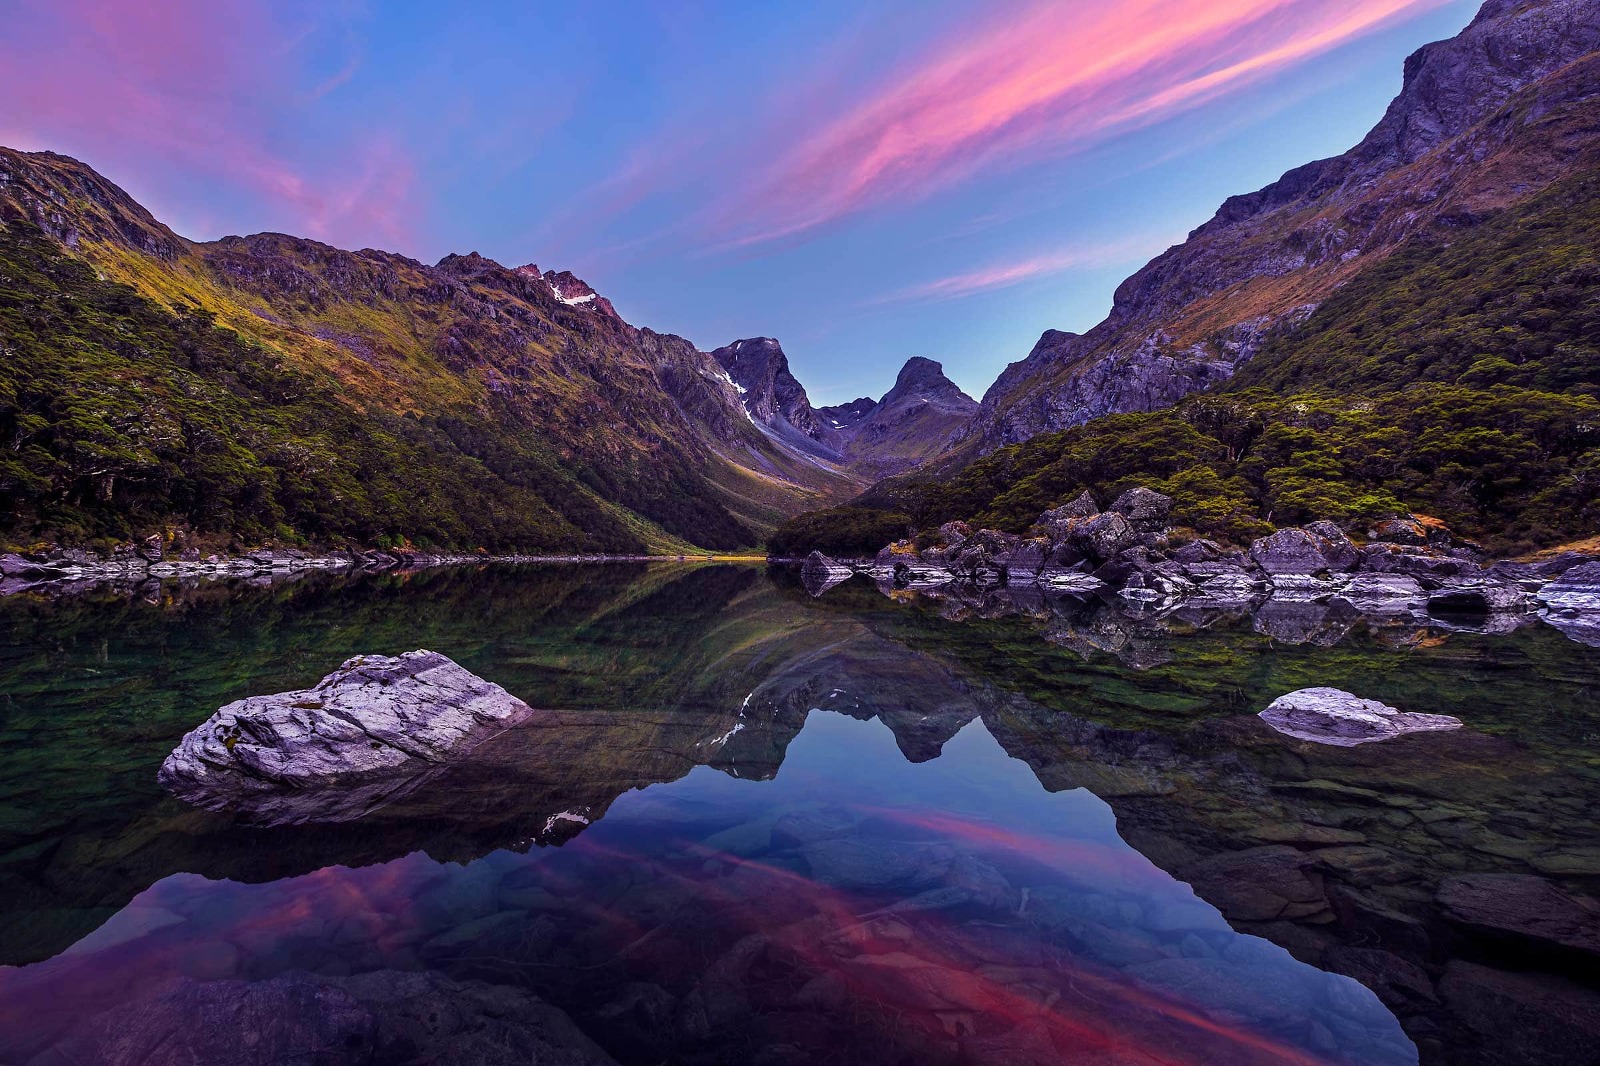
1383	594
371	725
17	566
1432	570
1293	551
1081	507
1145	509
1576	591
1532	910
1333	716
1104	535
1198	551
820	573
1415	529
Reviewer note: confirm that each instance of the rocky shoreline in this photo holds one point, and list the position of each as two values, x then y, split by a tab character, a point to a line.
67	569
1408	564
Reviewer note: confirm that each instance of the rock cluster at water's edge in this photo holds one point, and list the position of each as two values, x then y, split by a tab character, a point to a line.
375	719
1343	719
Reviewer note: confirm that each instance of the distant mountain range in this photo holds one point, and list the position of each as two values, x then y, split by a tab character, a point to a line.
271	387
274	388
920	417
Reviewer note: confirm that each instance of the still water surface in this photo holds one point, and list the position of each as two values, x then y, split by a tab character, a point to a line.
751	826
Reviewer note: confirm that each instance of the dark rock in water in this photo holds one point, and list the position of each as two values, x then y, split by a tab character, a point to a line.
1528	908
1577	590
1383	594
1432	570
820	573
387	1016
1145	509
331	752
1525	1018
1333	716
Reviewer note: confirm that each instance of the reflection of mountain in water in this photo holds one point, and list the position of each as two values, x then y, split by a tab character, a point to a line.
1445	871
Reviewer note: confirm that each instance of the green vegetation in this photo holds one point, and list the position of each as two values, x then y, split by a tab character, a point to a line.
839	531
119	418
1514	301
1455	379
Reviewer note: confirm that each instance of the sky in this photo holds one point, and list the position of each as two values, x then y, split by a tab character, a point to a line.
865	182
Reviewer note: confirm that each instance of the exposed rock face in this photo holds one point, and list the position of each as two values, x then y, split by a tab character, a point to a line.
1295	551
916	420
333	751
1194	314
1572	603
1334	716
775	399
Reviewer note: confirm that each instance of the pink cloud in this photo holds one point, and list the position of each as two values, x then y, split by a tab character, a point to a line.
1019	88
1015	272
196	86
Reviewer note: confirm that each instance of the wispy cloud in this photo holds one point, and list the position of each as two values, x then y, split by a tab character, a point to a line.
200	85
1016	88
1015	272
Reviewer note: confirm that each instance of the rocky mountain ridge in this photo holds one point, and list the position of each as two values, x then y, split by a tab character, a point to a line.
568	428
1484	120
914	421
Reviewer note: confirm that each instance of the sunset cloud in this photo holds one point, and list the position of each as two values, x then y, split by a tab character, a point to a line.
200	85
1015	272
1022	87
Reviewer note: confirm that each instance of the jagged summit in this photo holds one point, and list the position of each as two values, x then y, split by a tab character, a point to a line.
915	420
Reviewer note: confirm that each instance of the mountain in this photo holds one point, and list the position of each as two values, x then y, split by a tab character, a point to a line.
1413	326
272	387
1485	121
916	420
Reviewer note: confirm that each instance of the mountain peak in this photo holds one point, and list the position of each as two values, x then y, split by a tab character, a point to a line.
923	379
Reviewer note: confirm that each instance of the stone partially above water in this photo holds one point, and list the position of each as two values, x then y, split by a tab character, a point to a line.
336	750
1343	719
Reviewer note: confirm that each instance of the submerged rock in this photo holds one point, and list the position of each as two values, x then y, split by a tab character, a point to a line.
821	573
1343	719
363	732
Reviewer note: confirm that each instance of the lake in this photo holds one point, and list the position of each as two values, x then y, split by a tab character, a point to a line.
753	825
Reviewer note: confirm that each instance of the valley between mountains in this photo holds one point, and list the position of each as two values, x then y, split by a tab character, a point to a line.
1413	326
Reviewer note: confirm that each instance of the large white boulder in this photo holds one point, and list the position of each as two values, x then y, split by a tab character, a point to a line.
374	720
1334	716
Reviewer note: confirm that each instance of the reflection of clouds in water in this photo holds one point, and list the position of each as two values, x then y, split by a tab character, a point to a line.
962	923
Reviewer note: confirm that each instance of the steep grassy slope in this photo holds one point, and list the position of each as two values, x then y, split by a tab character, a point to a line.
463	404
1459	378
1485	121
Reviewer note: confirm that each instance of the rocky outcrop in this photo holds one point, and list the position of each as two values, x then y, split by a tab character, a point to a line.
1342	719
1302	584
916	420
1572	603
332	752
1435	163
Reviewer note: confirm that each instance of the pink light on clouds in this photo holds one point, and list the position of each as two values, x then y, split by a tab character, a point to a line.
1017	271
198	87
1022	87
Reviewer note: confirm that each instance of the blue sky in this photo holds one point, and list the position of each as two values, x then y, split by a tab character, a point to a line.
944	178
